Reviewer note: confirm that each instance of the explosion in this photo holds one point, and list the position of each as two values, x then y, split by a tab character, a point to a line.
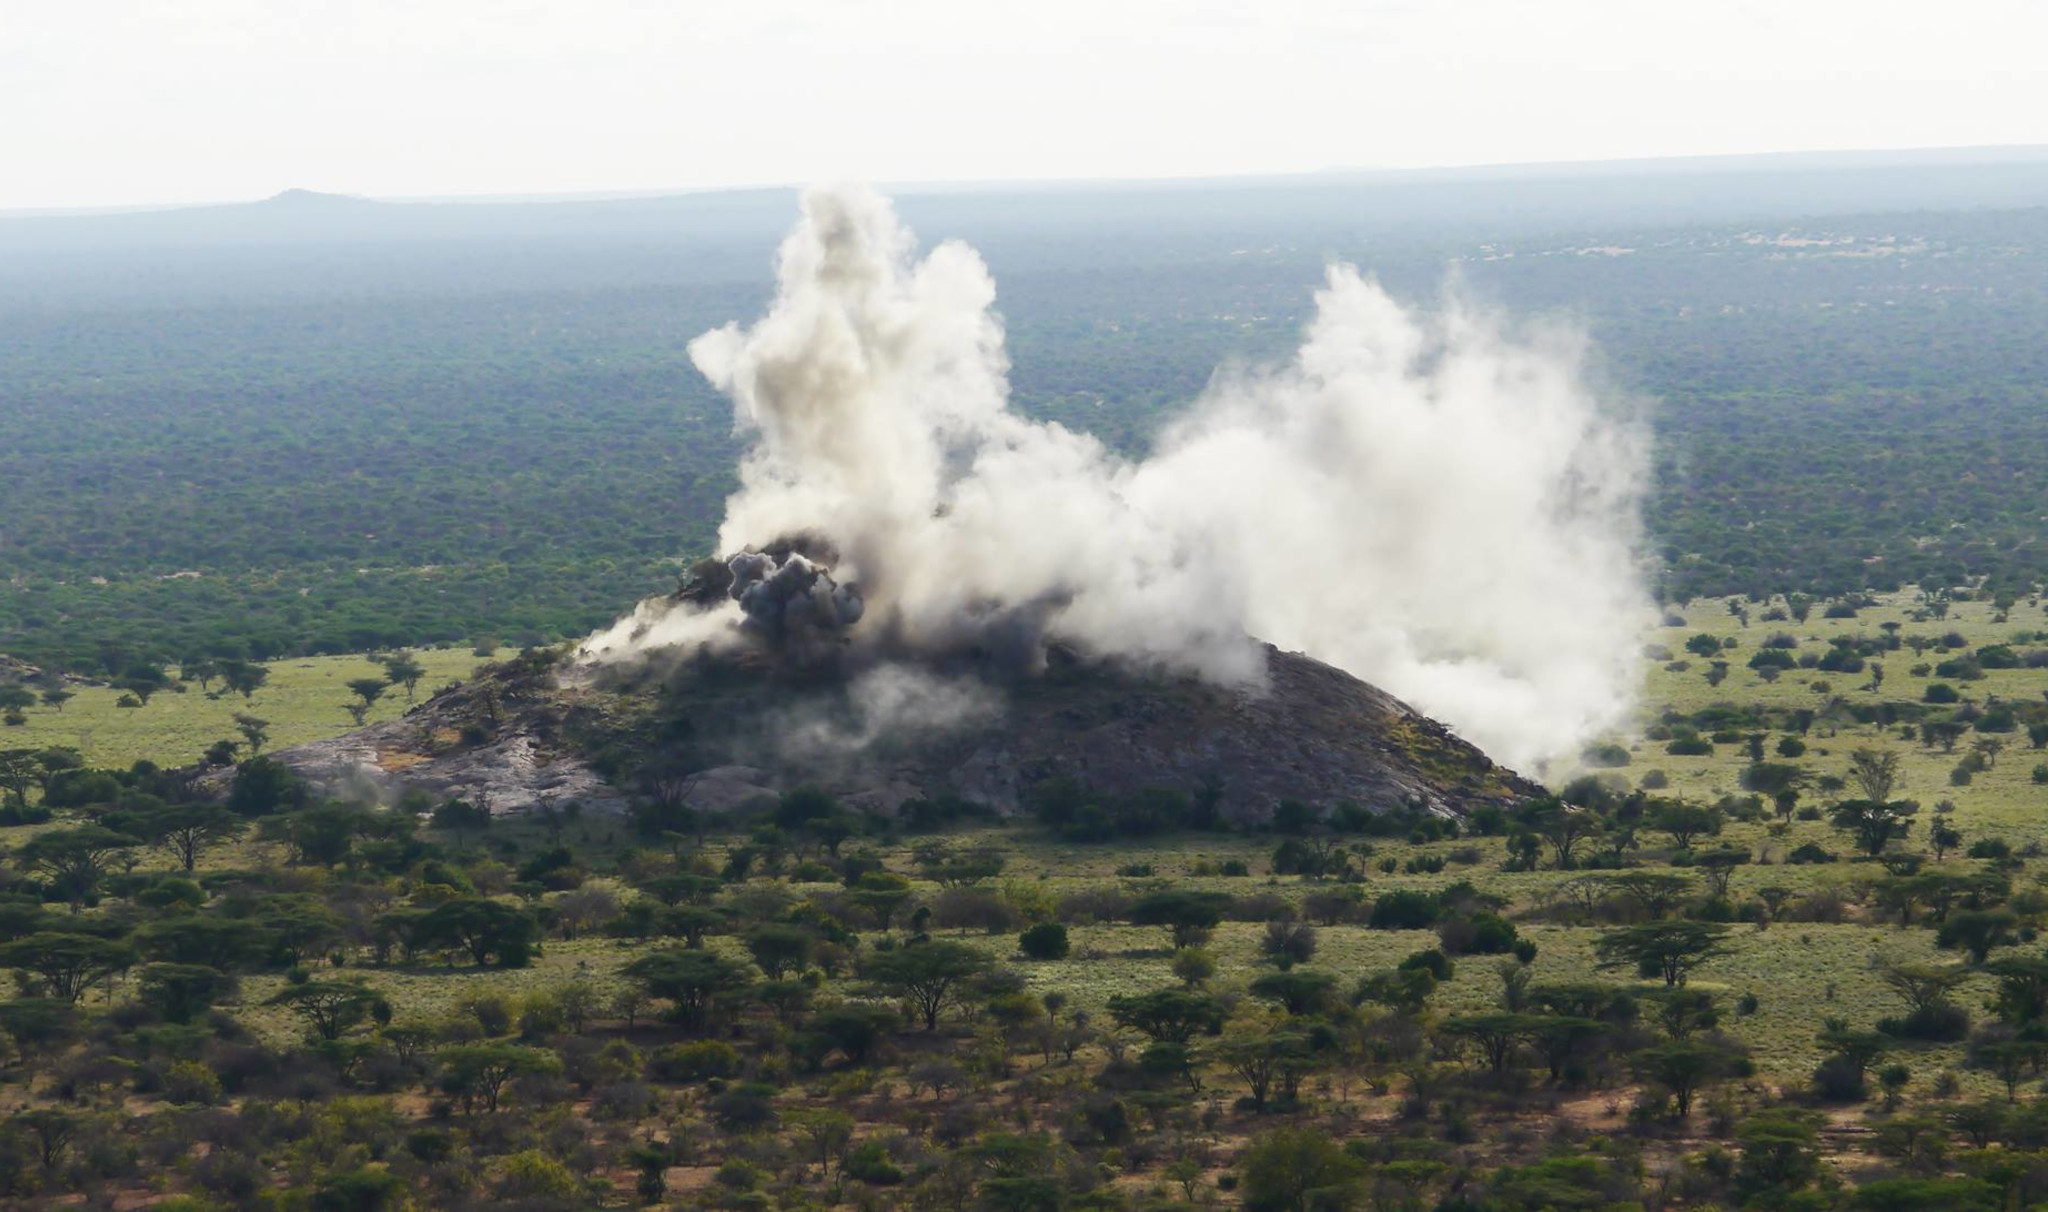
1434	504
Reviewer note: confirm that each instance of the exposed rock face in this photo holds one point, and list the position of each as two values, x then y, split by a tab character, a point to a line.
514	739
515	773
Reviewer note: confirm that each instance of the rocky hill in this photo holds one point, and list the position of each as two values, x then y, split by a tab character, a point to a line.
716	733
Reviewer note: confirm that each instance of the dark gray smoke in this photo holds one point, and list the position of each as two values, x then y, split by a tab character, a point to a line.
793	605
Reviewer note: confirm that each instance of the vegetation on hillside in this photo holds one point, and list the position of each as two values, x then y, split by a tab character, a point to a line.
1777	950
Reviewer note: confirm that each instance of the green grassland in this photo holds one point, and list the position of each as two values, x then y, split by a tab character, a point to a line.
2003	800
303	700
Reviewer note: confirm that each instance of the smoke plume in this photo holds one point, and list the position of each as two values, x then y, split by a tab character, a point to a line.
1435	503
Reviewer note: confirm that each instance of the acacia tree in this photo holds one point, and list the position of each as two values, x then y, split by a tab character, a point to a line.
331	1009
255	732
1874	772
404	670
75	861
1667	949
1943	837
1655	894
1683	1067
1263	1058
482	927
927	975
67	964
1562	826
20	769
1873	823
2022	996
1497	1035
1684	821
243	677
367	692
479	1072
695	981
1187	916
1977	931
181	992
186	830
1171	1016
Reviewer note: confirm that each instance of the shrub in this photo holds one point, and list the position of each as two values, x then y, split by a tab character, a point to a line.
191	1082
1403	910
1480	934
1839	1079
1045	941
695	1062
745	1108
1936	1022
1607	756
1690	746
869	1163
491	1012
1810	852
1432	961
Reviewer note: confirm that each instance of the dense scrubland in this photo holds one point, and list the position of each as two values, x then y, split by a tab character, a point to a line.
1775	948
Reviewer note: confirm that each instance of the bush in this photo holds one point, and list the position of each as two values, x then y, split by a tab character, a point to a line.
695	1062
1403	910
1432	961
1938	1022
1791	747
191	1082
1811	852
1480	934
1690	746
1606	756
1045	941
1838	1079
869	1163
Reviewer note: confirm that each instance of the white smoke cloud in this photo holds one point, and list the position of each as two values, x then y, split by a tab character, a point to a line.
1433	503
888	700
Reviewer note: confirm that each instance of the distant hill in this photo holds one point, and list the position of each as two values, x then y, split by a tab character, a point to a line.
1503	199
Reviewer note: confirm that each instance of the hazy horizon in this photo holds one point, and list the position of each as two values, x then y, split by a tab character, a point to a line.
1804	159
112	103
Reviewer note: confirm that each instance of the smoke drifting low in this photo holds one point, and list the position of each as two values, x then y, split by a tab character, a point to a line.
1433	503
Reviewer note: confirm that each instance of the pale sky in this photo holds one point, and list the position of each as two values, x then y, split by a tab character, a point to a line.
112	102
